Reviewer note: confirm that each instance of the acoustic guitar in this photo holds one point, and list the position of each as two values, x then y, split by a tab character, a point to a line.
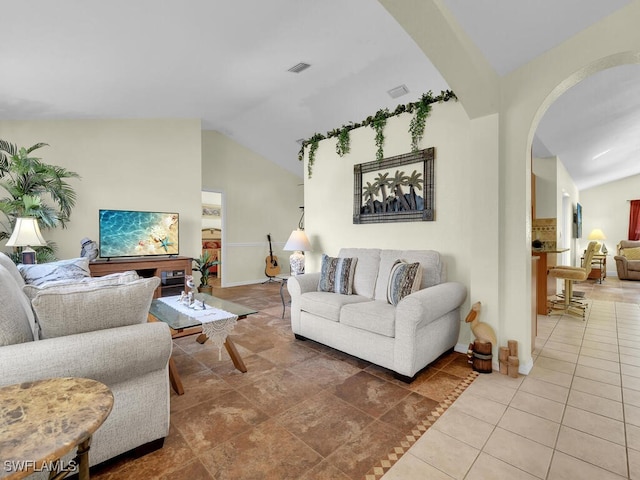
272	268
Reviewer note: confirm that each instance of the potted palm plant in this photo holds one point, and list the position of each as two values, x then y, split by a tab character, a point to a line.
202	265
26	180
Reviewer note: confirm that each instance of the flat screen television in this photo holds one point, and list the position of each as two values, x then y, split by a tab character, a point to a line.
131	233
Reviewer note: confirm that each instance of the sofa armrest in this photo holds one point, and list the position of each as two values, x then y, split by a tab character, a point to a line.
299	284
426	305
109	356
621	266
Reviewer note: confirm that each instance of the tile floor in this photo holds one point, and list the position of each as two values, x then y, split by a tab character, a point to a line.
575	416
303	411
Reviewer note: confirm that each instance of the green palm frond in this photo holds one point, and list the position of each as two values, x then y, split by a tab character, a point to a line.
27	181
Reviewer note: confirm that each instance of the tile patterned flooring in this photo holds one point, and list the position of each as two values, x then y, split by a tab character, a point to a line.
302	411
575	416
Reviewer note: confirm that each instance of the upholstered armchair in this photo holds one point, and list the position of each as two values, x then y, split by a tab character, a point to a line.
566	303
628	260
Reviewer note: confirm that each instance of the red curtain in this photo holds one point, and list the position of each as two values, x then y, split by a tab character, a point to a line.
634	220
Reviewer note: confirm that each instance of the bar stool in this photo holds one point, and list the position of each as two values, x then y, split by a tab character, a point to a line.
567	303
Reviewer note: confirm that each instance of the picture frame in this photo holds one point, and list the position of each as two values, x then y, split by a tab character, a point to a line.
211	211
379	194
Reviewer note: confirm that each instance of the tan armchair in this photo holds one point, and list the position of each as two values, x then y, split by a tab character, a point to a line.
628	260
567	303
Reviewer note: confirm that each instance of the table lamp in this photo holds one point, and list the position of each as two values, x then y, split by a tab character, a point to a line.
597	234
26	233
298	243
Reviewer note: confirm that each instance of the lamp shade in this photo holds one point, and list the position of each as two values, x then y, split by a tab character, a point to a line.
298	242
596	234
26	233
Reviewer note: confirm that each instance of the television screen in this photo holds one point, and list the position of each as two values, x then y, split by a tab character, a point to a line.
127	233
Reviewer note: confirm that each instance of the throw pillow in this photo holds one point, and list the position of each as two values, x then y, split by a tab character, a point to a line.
405	278
631	253
112	279
16	318
337	275
68	310
74	269
7	263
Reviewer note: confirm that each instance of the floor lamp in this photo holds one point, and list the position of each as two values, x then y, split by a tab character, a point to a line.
26	233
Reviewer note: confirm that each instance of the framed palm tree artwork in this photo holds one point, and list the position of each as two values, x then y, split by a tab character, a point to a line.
395	189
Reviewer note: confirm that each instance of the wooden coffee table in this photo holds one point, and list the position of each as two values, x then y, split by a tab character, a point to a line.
42	421
182	325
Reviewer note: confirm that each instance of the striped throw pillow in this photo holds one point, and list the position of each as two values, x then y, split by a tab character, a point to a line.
337	275
405	278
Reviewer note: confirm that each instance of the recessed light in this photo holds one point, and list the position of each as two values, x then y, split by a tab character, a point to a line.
299	67
398	91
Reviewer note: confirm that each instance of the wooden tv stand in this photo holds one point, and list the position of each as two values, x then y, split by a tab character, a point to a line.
171	271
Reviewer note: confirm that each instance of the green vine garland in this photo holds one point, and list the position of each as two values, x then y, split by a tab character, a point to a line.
314	142
418	122
343	146
378	122
416	127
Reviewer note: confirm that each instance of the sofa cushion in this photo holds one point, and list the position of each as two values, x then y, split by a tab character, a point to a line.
404	279
67	310
11	267
631	253
336	275
328	305
633	265
112	279
16	318
432	268
373	316
364	281
73	269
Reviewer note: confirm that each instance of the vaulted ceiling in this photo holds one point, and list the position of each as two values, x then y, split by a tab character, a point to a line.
227	63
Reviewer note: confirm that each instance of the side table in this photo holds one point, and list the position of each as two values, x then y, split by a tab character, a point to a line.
283	281
42	421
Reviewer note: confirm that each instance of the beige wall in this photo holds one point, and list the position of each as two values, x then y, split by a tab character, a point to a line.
329	196
259	197
149	165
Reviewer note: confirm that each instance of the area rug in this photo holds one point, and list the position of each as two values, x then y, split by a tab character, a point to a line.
412	437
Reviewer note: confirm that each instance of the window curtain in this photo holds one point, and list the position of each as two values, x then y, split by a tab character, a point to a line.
634	220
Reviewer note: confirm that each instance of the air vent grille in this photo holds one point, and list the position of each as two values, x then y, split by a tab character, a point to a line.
299	67
398	91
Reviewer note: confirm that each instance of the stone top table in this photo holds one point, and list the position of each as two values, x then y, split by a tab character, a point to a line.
42	421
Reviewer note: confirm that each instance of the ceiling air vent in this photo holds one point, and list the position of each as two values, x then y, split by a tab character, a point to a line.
398	91
299	67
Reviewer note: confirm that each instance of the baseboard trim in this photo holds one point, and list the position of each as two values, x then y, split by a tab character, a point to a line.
461	348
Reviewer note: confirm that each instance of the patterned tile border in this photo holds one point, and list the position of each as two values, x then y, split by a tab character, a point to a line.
394	455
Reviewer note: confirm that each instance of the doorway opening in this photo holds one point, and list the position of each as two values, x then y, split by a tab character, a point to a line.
213	233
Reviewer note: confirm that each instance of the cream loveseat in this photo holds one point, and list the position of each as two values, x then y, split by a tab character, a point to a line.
404	337
93	328
628	260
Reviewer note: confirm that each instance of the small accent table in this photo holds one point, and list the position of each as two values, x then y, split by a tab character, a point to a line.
283	281
598	267
42	421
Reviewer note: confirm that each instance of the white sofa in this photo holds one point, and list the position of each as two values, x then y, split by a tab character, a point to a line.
116	346
403	338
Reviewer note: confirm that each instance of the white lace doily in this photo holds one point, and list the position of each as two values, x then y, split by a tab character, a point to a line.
216	324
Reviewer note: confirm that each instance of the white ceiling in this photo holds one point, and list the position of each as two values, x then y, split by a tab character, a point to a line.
226	64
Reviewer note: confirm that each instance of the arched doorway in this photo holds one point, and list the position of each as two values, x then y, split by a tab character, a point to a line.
561	87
